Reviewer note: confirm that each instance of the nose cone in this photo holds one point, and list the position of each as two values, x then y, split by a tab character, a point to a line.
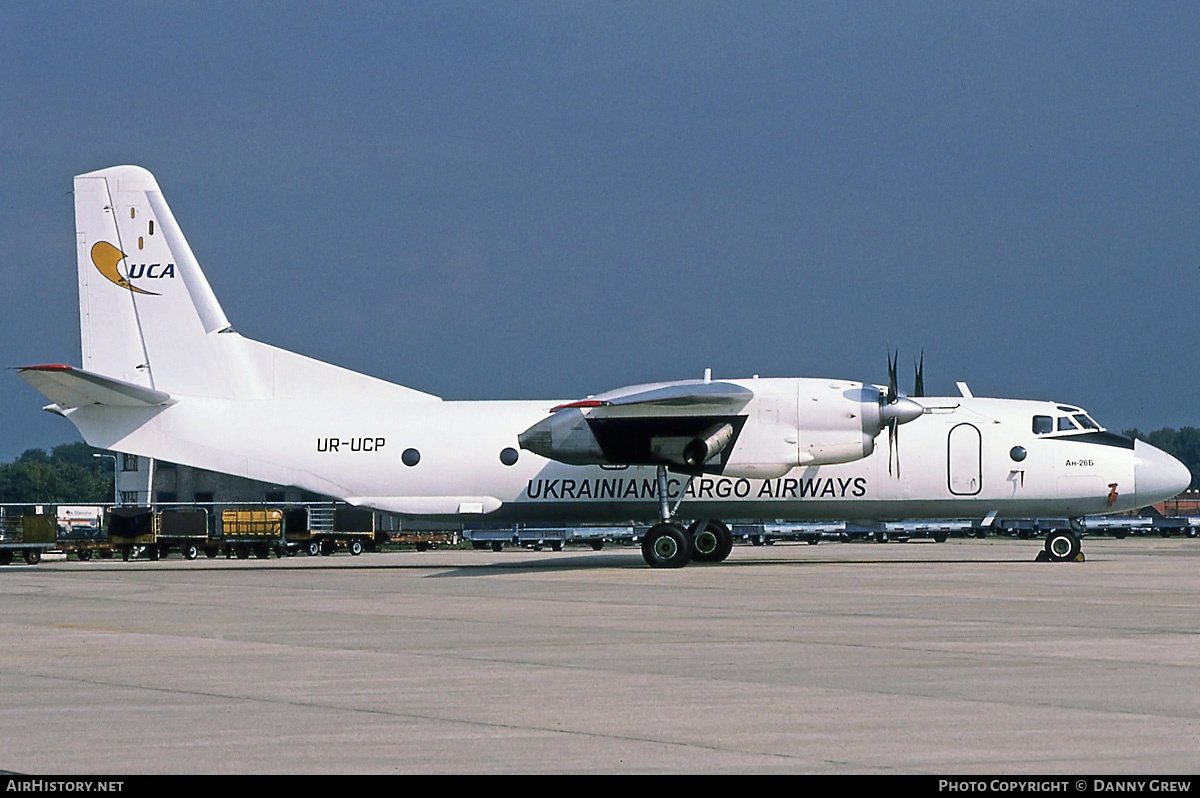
1157	476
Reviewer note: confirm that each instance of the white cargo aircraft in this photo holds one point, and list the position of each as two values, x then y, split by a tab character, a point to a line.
165	376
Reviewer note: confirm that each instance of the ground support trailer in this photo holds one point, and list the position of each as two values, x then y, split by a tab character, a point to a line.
553	538
938	531
81	531
26	537
133	531
421	535
769	533
1168	525
326	529
1118	526
258	532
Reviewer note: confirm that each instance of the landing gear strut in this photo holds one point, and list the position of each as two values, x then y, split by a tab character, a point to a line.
668	545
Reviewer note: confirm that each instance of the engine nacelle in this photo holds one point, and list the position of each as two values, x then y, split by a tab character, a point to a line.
787	424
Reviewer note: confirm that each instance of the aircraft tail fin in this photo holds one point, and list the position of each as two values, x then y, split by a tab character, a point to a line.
146	310
149	318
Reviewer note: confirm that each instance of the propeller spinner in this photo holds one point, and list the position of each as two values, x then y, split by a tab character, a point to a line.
895	409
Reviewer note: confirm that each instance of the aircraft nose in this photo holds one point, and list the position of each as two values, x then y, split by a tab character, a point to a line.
1157	476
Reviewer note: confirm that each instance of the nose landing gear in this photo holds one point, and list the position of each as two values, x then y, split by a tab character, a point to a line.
1062	545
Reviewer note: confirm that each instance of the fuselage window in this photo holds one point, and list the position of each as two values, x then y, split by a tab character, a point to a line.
410	457
1042	425
509	456
1065	424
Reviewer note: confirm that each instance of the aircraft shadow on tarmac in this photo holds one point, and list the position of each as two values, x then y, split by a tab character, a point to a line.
497	564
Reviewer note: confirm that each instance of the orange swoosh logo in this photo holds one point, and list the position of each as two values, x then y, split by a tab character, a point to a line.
106	257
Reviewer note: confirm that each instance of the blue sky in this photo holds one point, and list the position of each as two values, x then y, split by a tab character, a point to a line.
516	200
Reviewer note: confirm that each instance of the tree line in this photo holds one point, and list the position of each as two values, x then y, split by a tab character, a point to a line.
69	474
1183	444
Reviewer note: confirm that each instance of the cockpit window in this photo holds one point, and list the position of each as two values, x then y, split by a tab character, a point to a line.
1065	424
1042	425
1085	421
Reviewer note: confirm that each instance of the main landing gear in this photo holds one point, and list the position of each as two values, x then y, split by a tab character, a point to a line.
668	545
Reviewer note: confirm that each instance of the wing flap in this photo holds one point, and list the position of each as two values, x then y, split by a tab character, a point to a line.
69	387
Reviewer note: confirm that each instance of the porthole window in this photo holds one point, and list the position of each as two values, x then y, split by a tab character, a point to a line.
509	456
1017	453
410	457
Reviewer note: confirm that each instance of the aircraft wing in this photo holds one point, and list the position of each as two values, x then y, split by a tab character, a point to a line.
69	387
690	393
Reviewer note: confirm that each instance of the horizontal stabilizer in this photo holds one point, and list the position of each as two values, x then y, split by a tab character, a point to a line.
69	387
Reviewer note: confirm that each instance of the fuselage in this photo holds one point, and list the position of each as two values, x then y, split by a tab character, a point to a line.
965	457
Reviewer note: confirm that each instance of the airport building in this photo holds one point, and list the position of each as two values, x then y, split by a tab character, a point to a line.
143	482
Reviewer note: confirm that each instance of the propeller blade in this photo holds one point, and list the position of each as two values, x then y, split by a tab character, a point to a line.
919	381
892	389
893	446
896	438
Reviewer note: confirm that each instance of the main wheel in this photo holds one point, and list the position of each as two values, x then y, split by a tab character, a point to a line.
33	556
190	552
712	540
314	548
355	547
667	546
1063	545
84	555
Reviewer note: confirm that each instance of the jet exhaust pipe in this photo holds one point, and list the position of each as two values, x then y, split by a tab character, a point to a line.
707	445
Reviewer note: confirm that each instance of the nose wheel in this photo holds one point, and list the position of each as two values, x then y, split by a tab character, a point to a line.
1063	545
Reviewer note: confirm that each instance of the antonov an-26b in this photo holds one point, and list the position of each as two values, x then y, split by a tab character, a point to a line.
165	376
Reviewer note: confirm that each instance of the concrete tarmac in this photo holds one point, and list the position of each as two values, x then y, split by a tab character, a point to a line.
959	658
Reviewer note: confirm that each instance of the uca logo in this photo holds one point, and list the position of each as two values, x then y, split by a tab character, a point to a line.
106	258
